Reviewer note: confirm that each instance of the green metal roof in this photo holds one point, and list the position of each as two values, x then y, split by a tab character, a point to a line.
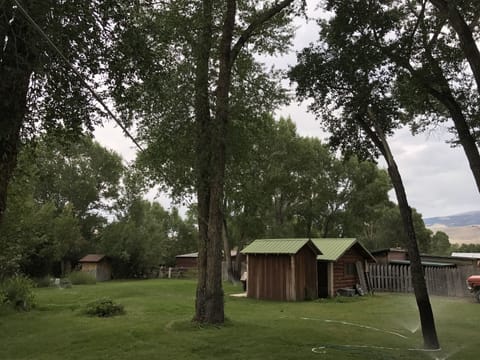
277	246
333	248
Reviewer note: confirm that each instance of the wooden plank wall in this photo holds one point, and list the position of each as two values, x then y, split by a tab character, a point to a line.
186	262
306	282
342	280
283	277
268	276
442	281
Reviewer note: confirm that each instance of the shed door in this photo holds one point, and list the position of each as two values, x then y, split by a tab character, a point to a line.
322	268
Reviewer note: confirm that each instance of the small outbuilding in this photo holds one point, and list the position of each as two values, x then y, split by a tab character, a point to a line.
337	265
97	265
190	261
399	256
282	269
187	261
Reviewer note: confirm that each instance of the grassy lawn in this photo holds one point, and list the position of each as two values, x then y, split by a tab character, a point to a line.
157	326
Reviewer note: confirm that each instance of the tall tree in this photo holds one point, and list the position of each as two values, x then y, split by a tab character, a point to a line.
83	175
60	194
351	87
434	84
286	185
211	147
388	231
144	237
440	244
463	17
210	37
36	89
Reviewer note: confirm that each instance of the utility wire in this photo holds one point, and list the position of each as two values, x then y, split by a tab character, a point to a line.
79	75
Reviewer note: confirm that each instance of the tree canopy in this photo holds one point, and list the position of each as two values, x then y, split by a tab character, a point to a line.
59	199
38	91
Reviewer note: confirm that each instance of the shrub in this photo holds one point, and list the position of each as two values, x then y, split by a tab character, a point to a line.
82	278
17	293
104	308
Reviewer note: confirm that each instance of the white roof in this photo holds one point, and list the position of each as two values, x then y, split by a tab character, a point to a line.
195	254
466	255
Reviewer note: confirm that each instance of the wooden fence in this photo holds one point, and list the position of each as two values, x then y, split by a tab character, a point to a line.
440	281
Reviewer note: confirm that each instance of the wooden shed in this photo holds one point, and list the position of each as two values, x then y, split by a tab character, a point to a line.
399	256
190	260
337	264
282	269
98	265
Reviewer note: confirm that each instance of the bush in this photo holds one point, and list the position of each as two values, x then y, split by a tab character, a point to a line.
17	293
82	278
104	308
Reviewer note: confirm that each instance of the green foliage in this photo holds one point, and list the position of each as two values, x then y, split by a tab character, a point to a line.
104	307
387	231
291	186
160	94
81	176
81	278
17	292
57	101
57	201
145	237
440	244
465	247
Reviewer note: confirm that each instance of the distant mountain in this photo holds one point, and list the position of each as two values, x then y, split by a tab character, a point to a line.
464	219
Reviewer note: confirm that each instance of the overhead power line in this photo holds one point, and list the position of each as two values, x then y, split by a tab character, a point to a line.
78	73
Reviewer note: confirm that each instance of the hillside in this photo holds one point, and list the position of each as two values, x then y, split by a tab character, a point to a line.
460	228
463	219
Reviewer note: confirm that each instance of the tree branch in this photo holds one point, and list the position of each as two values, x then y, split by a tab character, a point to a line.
415	28
467	43
261	19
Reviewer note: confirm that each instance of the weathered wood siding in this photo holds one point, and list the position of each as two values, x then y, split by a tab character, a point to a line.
104	270
445	281
90	268
340	278
306	274
283	277
101	271
186	262
387	256
268	276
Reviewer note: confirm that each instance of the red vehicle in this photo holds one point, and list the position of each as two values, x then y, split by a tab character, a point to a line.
473	284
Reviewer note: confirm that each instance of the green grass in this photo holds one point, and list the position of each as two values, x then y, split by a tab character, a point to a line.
157	326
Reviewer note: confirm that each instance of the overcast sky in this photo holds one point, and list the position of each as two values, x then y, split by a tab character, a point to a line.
437	178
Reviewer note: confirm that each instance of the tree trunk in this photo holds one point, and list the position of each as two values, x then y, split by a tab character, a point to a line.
444	94
465	137
238	259
203	120
441	91
211	166
309	219
418	278
16	68
211	151
227	253
467	43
